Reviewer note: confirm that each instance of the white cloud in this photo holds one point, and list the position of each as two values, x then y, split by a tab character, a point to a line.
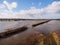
33	12
10	6
54	8
14	5
2	6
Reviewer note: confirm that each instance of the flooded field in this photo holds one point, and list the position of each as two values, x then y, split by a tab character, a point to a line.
32	36
15	24
50	26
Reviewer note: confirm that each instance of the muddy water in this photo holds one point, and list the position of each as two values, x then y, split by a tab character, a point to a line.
45	28
15	24
49	27
28	37
25	38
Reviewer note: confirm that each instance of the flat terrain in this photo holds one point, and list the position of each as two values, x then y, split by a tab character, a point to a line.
46	27
15	24
31	35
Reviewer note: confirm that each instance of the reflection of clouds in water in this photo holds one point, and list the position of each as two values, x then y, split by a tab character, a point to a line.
22	38
45	28
14	24
6	24
49	27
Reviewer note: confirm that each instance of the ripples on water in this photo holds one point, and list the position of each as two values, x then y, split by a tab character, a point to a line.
49	27
45	28
13	24
20	38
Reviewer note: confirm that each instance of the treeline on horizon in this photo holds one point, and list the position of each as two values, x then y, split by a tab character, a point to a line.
25	19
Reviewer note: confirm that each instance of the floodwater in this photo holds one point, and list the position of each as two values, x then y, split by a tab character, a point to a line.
45	28
21	38
49	27
4	25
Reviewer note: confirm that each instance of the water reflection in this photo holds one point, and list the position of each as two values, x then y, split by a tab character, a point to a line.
15	24
49	27
26	37
45	28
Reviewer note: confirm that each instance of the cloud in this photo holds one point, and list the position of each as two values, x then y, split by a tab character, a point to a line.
53	8
32	11
10	6
14	5
2	6
50	11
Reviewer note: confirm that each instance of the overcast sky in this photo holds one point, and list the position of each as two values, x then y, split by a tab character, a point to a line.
31	9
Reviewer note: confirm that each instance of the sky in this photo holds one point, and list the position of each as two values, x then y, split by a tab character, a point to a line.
30	9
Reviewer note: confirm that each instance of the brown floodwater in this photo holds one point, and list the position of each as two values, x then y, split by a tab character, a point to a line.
45	28
49	27
20	38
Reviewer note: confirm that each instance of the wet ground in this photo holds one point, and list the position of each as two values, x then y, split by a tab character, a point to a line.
49	27
45	28
15	24
26	37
